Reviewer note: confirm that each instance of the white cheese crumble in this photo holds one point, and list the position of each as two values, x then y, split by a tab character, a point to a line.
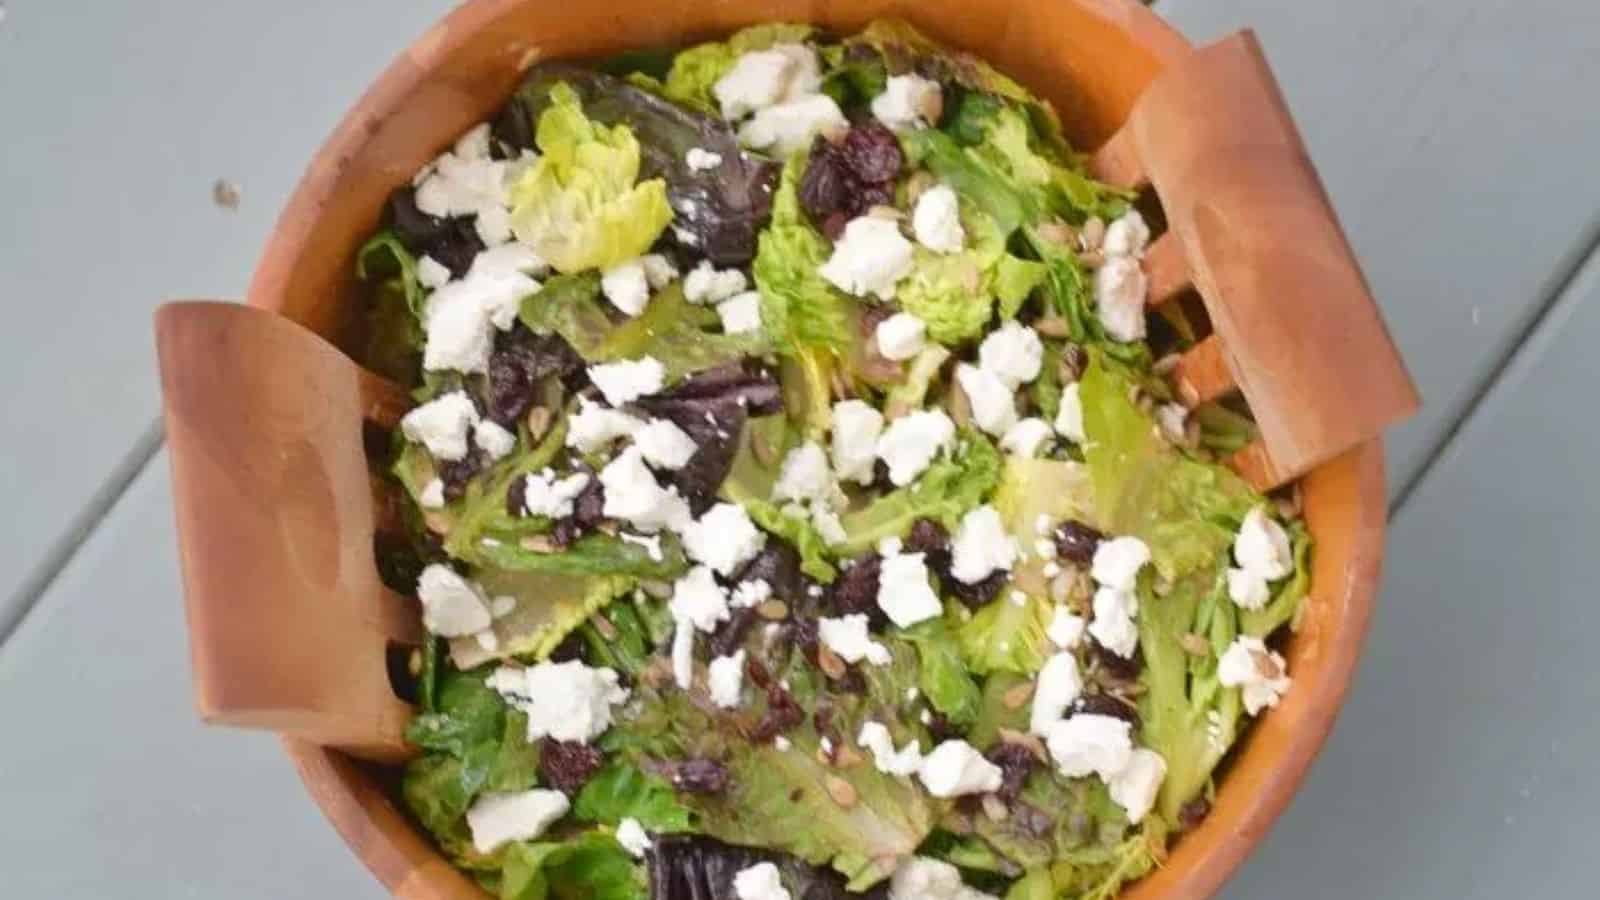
633	494
665	446
494	439
594	426
650	543
857	426
981	546
545	495
499	819
936	220
901	336
460	318
1261	673
1026	437
431	273
922	878
699	600
994	407
683	654
870	257
432	495
847	636
566	701
1013	352
625	285
1262	546
781	744
759	882
1119	291
804	474
442	425
875	738
757	79
1117	562
789	126
726	678
1113	626
1135	787
955	768
1089	743
724	538
1069	415
699	159
828	524
632	837
1172	419
741	313
911	442
1247	589
905	593
508	259
706	283
628	380
752	592
452	606
1058	686
1127	236
907	101
1066	628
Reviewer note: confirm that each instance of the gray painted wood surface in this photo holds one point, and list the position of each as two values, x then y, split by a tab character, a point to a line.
1452	137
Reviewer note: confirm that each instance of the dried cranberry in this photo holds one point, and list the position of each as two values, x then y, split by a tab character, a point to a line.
589	507
1123	668
976	595
870	195
1191	814
778	564
930	539
872	152
453	242
564	532
730	635
782	713
517	497
856	589
941	728
1016	763
399	563
1077	542
521	359
568	765
804	635
833	225
456	473
700	776
827	186
1105	705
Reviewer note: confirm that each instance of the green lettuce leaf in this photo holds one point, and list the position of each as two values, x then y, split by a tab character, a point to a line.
814	552
905	49
480	526
1004	636
590	866
383	258
1288	597
696	69
799	308
942	677
392	343
621	791
549	606
912	392
944	492
954	293
1009	148
578	206
596	553
1030	488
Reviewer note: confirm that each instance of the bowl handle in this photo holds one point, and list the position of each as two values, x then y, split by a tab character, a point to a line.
290	627
1249	226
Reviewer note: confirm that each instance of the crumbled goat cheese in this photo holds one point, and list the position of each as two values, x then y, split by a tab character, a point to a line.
828	524
1026	437
804	474
699	600
994	407
432	495
503	606
1091	743
683	653
658	270
566	701
907	101
632	837
955	768
856	428
1059	684
699	159
1069	415
911	442
1113	626
1262	546
781	744
1261	673
461	316
805	78
499	819
494	439
1066	628
625	285
628	380
901	336
452	606
1127	236
741	313
431	273
789	126
665	446
442	425
1119	291
594	426
870	257
633	494
706	283
724	538
756	80
1117	562
875	738
1172	418
650	543
1135	787
753	592
847	636
936	220
1247	589
1013	352
725	678
981	546
905	592
759	882
545	495
508	259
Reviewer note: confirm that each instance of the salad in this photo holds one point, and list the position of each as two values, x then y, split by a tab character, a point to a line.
795	502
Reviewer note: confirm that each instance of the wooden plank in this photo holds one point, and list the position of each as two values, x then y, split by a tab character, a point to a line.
1449	138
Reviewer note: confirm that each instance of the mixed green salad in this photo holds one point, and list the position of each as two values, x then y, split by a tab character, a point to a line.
797	508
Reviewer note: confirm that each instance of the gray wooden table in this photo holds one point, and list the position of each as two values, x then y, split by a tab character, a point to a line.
1458	141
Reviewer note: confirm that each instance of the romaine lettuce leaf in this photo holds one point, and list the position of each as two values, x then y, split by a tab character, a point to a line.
696	69
621	791
1005	636
384	258
597	553
911	394
589	866
954	293
941	677
578	206
799	308
944	492
1030	488
549	607
394	335
814	552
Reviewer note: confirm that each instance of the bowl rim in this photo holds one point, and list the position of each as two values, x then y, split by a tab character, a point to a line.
364	814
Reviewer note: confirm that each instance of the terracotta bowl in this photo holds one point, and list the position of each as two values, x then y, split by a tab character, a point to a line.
1091	58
